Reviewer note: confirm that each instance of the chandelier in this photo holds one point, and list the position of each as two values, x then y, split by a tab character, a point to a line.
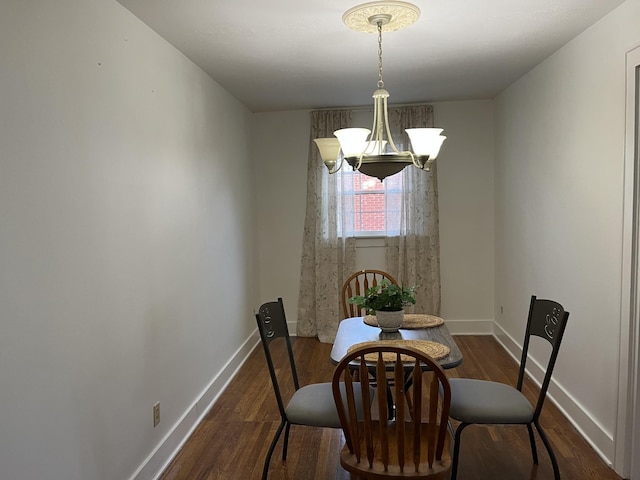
373	152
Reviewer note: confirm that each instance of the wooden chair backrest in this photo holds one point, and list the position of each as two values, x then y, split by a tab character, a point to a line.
357	284
414	444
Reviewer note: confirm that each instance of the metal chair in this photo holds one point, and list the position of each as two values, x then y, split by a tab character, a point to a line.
485	402
416	442
310	405
357	284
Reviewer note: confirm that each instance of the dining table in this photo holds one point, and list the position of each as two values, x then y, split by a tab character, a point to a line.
357	330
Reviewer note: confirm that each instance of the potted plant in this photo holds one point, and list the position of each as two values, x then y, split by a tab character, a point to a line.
386	301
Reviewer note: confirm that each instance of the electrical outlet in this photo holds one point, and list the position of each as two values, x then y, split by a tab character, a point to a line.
156	414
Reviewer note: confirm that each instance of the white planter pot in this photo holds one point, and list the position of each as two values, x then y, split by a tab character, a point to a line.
390	321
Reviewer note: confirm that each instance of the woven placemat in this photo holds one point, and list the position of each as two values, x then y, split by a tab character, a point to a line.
434	349
411	321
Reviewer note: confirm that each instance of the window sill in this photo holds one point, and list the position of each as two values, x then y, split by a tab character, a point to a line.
370	241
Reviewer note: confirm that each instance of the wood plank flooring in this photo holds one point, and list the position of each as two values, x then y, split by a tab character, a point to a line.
232	441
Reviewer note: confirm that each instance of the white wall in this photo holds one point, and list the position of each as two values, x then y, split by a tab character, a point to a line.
126	258
558	187
465	176
279	150
465	191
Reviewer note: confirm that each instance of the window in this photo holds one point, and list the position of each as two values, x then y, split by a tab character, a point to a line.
369	207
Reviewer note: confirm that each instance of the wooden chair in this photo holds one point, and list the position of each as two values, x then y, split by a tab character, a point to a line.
357	284
416	442
485	402
311	405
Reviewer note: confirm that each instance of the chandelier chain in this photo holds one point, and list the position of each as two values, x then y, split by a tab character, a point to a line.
380	82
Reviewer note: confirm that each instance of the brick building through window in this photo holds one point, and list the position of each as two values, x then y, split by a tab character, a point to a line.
371	206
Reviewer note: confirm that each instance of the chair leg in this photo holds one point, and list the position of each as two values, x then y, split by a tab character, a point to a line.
408	382
547	444
456	450
391	409
532	440
450	427
286	443
267	460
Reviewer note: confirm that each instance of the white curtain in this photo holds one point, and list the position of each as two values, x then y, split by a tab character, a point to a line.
412	246
328	248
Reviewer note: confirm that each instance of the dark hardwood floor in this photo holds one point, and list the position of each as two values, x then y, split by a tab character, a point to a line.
232	441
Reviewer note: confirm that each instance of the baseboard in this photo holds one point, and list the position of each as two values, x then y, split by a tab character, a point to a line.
599	439
168	448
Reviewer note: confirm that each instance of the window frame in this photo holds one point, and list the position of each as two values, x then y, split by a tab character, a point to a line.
394	184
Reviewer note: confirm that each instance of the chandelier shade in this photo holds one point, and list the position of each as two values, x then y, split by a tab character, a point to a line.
426	141
353	141
373	152
329	151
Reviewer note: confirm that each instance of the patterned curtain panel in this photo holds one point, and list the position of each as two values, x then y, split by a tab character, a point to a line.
327	259
412	246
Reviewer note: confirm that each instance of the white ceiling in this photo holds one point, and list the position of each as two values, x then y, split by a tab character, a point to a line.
297	54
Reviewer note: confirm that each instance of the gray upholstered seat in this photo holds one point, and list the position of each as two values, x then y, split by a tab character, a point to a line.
478	401
313	405
484	402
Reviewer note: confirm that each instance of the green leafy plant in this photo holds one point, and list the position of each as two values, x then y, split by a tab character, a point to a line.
385	296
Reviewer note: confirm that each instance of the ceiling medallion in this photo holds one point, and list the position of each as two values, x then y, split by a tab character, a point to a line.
361	18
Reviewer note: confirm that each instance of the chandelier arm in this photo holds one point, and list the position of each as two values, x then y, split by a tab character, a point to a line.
386	125
392	143
374	131
379	123
415	161
339	164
